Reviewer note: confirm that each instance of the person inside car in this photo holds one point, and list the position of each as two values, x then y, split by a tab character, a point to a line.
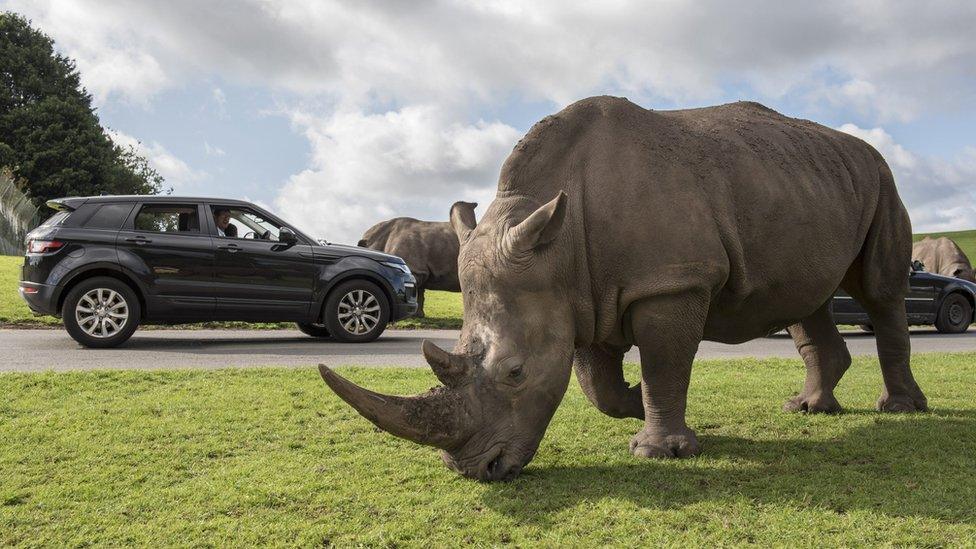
224	228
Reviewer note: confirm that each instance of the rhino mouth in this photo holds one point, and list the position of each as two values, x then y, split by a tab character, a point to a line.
497	466
499	469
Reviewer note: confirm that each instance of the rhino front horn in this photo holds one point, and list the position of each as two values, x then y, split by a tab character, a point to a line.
435	418
450	368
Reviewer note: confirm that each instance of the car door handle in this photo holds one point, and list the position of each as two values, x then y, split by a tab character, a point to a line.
139	240
229	248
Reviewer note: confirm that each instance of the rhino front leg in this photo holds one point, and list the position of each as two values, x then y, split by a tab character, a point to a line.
420	303
826	358
421	287
667	330
600	372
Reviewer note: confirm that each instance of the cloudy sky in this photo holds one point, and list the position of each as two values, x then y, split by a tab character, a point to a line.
340	114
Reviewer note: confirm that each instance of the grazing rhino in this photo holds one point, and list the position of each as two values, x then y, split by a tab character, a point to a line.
943	256
430	249
616	226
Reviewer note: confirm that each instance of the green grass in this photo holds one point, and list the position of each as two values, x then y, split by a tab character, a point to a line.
13	310
443	308
965	239
243	457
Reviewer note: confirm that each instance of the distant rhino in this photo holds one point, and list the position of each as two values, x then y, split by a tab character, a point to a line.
614	226
943	256
430	249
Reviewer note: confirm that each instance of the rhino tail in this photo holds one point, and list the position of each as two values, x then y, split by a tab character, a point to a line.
887	249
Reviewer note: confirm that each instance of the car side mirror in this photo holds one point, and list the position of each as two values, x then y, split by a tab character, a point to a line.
285	236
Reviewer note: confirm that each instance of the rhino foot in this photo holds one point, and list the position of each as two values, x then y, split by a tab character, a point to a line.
818	403
903	403
664	444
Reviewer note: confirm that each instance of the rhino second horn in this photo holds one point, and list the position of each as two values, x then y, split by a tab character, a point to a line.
450	368
434	419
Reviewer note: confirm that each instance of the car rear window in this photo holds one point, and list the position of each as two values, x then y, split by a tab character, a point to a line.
56	219
109	216
168	218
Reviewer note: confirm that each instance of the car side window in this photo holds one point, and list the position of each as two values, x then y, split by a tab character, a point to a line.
168	218
237	222
109	216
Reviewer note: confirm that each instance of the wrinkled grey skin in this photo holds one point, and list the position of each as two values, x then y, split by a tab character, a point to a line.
430	249
616	226
943	256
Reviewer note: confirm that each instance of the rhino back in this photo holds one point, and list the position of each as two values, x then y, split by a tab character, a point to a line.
942	256
753	206
430	248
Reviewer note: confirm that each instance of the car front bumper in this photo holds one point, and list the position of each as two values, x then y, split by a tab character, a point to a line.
406	300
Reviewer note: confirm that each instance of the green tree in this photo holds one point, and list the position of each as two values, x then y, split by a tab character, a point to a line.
50	136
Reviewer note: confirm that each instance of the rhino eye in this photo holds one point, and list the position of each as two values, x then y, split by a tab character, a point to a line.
515	372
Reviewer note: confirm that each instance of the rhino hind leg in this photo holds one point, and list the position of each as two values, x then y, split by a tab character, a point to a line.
901	392
599	370
667	329
826	357
877	281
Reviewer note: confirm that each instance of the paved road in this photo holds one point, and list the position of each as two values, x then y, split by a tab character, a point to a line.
34	350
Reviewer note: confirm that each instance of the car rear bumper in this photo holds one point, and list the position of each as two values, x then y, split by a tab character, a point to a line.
40	298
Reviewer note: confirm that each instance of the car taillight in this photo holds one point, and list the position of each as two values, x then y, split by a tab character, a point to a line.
43	246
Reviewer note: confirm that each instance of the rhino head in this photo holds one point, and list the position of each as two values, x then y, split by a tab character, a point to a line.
512	363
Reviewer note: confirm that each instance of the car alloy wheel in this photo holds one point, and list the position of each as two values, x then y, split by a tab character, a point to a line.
359	312
102	312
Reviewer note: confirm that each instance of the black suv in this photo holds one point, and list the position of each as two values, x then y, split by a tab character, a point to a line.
948	303
109	263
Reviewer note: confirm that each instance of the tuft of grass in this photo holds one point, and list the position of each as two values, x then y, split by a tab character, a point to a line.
271	456
443	309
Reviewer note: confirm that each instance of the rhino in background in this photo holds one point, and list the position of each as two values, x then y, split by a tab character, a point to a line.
943	256
430	249
615	226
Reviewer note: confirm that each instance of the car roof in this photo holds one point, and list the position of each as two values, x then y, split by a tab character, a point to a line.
72	202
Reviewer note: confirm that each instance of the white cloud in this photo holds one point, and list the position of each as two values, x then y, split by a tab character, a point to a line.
366	168
385	91
177	173
940	194
891	60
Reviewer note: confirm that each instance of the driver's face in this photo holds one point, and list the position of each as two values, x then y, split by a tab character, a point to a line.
223	219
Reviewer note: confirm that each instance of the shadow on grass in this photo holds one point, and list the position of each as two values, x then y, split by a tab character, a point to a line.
921	465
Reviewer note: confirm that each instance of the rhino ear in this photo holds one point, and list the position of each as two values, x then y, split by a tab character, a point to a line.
541	227
462	218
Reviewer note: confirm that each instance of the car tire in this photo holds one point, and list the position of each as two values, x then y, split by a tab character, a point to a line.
954	315
356	311
101	312
314	330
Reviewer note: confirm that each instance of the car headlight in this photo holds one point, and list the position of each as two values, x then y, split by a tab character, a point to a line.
399	266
